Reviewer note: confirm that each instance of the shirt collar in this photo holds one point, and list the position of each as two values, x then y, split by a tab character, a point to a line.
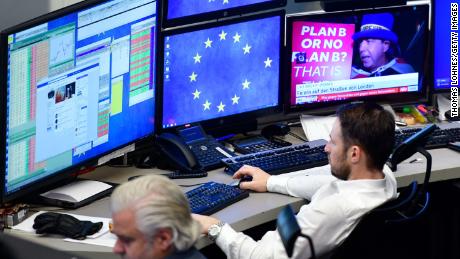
368	184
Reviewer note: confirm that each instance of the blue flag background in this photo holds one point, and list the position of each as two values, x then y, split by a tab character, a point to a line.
221	71
181	8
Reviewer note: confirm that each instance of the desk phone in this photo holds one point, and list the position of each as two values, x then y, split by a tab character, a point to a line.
207	150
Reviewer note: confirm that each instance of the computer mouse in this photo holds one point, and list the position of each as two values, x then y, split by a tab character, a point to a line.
237	182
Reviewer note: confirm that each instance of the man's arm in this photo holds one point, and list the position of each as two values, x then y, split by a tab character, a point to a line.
325	222
238	245
301	184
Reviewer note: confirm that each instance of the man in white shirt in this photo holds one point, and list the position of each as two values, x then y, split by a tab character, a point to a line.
361	141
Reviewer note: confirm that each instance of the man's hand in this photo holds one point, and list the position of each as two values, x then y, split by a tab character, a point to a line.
205	221
259	178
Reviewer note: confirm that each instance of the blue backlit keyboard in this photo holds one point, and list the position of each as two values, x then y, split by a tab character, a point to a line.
211	197
282	160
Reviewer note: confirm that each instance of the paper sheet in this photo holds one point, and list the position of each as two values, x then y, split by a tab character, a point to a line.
317	127
27	224
107	239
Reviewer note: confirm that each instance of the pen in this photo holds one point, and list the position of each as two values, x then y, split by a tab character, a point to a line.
415	160
400	123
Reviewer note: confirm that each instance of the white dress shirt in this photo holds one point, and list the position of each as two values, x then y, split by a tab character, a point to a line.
334	211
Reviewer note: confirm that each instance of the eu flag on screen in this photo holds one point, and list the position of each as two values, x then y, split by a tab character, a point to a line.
221	71
181	8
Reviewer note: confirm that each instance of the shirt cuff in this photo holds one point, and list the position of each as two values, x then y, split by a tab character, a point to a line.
277	184
226	236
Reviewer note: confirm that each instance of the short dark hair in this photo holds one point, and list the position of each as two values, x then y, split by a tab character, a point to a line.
371	127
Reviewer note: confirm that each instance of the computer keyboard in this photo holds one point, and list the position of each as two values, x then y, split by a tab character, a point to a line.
211	197
442	135
256	144
282	160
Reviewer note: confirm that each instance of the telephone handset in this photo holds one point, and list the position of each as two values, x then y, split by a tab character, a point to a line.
179	154
191	149
208	151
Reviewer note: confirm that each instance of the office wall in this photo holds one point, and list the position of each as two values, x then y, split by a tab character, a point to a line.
293	7
56	4
13	12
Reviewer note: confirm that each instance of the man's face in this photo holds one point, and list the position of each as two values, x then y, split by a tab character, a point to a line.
336	152
372	53
131	242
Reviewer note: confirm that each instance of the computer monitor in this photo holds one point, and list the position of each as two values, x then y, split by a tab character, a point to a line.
222	70
374	55
79	83
441	46
181	12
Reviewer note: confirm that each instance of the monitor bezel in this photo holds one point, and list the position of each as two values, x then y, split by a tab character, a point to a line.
70	173
396	100
218	14
230	119
434	90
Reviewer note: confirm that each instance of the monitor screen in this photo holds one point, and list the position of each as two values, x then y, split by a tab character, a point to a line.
441	47
223	70
179	12
79	84
337	57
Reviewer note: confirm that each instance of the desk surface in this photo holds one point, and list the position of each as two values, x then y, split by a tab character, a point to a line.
255	210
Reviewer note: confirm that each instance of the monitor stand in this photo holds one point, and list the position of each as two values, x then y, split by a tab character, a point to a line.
122	161
75	194
224	127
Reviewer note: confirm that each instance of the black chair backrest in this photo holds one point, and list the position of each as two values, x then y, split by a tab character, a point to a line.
406	207
288	228
374	235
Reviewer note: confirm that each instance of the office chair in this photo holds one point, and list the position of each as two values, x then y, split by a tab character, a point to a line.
387	226
289	231
406	207
416	203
